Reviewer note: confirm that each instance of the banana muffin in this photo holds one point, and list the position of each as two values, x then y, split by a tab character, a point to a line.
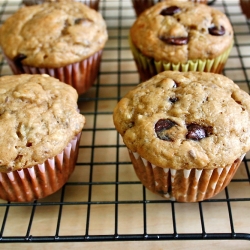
94	4
183	36
40	133
186	132
64	40
141	5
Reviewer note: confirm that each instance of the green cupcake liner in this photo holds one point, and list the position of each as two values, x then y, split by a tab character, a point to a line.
148	67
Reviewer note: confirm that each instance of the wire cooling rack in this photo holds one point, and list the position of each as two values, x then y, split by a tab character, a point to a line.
103	199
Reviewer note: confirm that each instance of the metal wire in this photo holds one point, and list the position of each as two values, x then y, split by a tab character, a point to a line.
124	191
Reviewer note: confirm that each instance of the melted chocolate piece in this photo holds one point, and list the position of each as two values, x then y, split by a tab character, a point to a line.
197	132
161	128
173	99
20	57
175	40
82	20
170	11
18	61
217	31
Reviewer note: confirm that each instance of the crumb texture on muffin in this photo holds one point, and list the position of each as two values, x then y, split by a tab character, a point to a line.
186	120
177	31
53	34
38	118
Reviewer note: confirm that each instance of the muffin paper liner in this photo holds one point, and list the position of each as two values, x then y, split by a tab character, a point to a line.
41	180
148	67
245	7
80	75
186	185
94	4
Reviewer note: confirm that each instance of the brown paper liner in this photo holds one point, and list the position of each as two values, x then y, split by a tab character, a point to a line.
245	7
183	185
40	180
141	5
80	75
94	4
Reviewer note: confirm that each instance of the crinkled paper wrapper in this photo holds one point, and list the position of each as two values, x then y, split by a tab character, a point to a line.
148	67
40	180
186	185
245	7
80	75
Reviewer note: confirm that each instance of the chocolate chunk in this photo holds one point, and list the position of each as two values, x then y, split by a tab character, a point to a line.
19	57
82	20
18	61
175	40
173	99
161	128
197	132
170	11
216	31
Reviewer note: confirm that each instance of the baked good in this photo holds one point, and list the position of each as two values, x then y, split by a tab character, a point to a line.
183	36
245	7
64	40
186	132
141	5
40	133
94	4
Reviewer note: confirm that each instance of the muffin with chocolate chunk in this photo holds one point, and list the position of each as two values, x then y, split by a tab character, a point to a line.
186	132
183	36
245	7
94	4
40	133
141	5
64	40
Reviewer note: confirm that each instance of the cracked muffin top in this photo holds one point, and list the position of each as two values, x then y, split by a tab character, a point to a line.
186	120
53	34
38	118
177	31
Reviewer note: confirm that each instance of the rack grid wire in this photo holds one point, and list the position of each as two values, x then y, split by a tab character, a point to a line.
103	200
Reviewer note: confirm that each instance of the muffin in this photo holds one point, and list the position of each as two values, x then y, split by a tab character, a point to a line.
40	133
245	7
172	36
64	40
141	5
186	133
94	4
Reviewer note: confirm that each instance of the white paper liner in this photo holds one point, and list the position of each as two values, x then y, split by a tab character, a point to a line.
80	75
41	180
187	185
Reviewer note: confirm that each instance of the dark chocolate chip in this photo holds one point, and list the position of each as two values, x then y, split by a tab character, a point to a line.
175	85
173	99
18	61
197	132
161	128
19	57
216	31
175	40
170	11
81	20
